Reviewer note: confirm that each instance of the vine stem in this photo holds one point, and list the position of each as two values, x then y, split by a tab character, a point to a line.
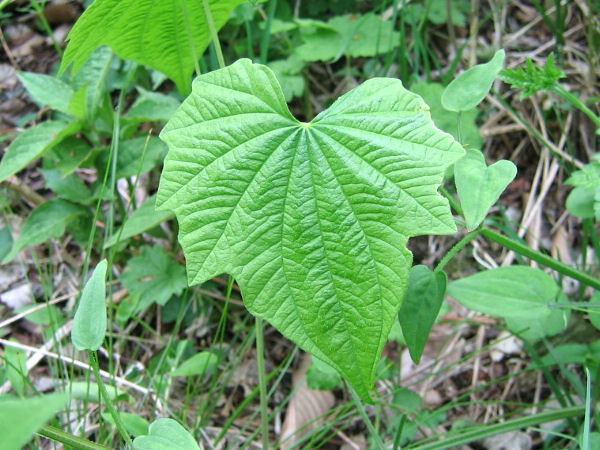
454	250
213	33
539	257
93	358
262	381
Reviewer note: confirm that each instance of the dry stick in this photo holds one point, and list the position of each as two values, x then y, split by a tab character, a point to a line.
473	29
41	353
15	184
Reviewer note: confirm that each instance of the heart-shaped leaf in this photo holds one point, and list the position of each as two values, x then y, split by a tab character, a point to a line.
420	307
467	90
165	434
312	218
160	34
480	186
525	297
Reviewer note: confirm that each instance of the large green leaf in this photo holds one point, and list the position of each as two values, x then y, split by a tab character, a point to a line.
312	218
155	33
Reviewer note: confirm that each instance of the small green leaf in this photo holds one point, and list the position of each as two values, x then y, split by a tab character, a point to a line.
69	154
153	33
166	434
525	297
143	219
70	187
467	90
480	186
311	219
93	76
32	144
464	129
48	90
89	323
46	221
580	202
154	276
152	106
20	419
420	307
199	364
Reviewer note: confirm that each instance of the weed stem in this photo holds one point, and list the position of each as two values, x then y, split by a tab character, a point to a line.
262	381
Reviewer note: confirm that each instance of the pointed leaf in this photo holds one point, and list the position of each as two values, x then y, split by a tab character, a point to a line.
20	419
46	221
467	90
312	218
480	186
48	90
151	32
89	323
420	307
32	144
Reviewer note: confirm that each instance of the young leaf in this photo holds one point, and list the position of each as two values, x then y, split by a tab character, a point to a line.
312	218
154	276
525	297
32	144
420	307
464	129
153	33
532	78
92	76
20	419
467	90
46	221
89	323
166	434
134	424
143	219
584	200
48	90
199	364
479	186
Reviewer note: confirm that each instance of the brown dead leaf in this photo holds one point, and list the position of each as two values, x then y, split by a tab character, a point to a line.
305	408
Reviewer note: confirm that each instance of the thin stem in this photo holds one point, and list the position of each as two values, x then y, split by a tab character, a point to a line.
213	33
585	438
361	409
454	250
541	258
69	440
266	35
93	358
262	381
558	89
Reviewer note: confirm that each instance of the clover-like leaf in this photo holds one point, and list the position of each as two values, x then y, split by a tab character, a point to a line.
160	34
311	218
